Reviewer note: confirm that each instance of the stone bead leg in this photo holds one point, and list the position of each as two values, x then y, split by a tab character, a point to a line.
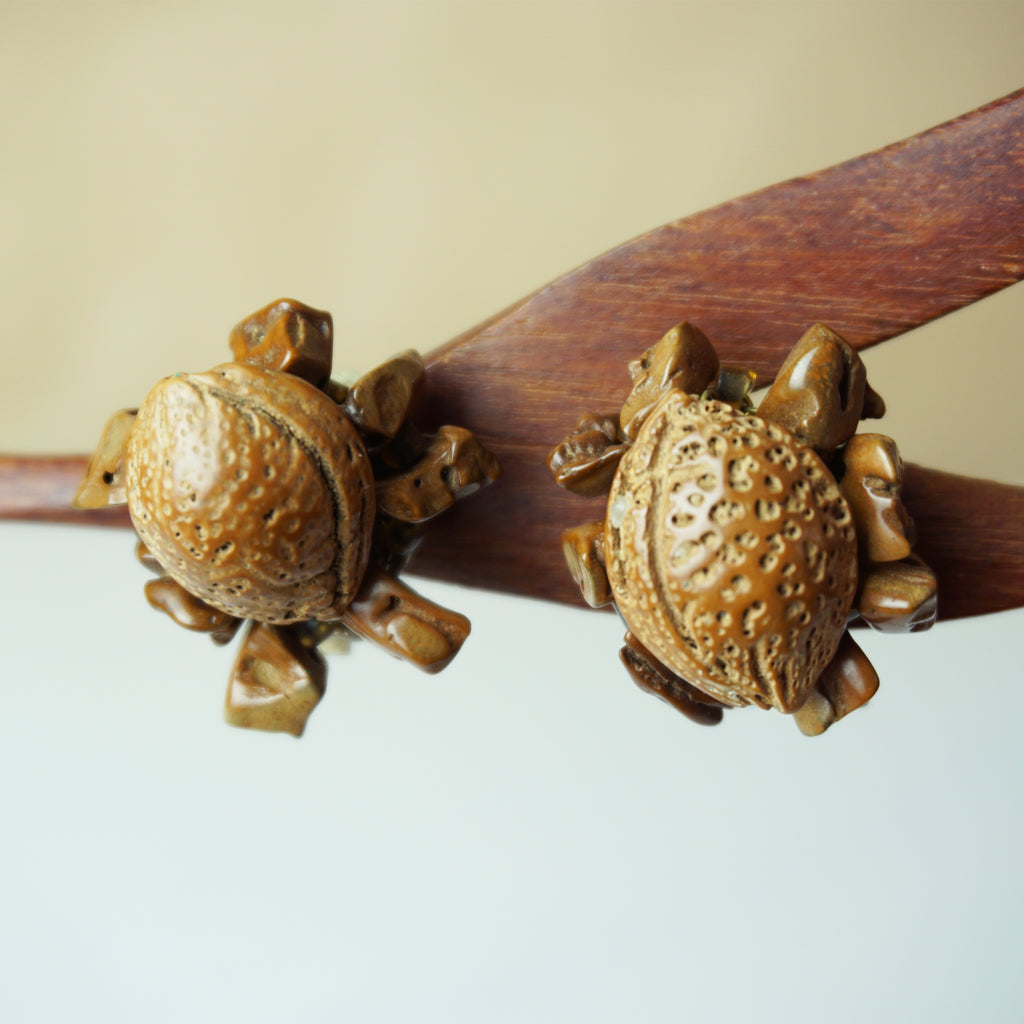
379	402
286	336
651	675
404	623
683	359
276	682
585	462
454	466
103	483
821	391
848	682
583	548
188	611
873	487
898	597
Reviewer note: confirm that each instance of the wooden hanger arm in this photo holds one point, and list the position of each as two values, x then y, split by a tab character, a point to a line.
507	538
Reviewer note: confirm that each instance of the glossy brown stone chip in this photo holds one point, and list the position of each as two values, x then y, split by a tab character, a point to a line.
380	401
583	548
898	597
145	558
848	682
651	675
454	466
587	459
818	394
683	359
188	611
286	336
276	682
873	486
104	481
405	623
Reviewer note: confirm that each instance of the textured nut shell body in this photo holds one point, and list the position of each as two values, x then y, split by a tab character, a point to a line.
253	490
731	552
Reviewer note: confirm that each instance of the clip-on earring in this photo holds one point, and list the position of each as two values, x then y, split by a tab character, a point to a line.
739	544
264	491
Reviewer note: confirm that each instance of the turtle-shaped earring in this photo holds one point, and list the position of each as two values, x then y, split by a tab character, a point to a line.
737	546
264	491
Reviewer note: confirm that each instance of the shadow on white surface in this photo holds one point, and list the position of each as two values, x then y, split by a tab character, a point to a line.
525	837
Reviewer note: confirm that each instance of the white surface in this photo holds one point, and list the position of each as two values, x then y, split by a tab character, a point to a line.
525	837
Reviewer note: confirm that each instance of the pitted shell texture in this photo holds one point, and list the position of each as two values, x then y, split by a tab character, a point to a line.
731	552
254	492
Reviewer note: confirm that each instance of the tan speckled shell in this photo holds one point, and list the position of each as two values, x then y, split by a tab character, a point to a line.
253	490
731	552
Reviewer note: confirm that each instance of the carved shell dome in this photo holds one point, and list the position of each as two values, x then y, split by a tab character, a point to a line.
731	552
254	492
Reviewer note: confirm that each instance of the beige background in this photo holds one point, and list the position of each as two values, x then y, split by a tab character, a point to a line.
526	837
415	167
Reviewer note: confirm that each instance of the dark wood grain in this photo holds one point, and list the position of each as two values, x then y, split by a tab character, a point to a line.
39	488
873	247
970	531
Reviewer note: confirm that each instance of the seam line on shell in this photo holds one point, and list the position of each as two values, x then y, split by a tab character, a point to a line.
252	406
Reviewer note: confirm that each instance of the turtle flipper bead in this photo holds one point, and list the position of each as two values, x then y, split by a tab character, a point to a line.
188	611
405	623
848	682
379	402
818	394
651	675
683	359
288	337
583	548
898	597
104	482
873	486
276	681
586	461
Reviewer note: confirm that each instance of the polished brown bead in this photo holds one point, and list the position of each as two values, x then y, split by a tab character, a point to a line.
848	682
379	402
683	359
145	558
276	682
898	597
454	466
587	459
405	623
335	390
818	394
583	548
188	611
103	483
288	336
734	385
652	676
873	485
